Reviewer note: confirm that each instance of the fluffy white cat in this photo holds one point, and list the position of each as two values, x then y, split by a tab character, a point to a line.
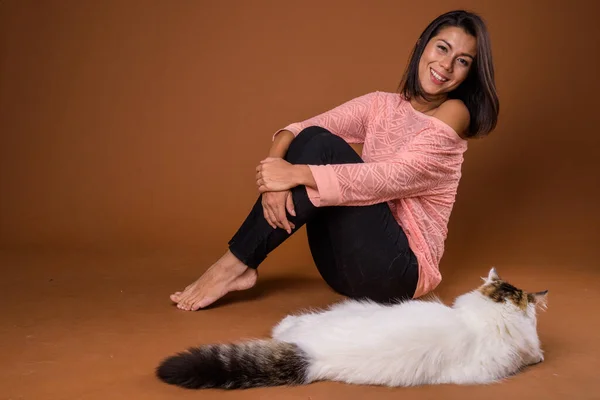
487	334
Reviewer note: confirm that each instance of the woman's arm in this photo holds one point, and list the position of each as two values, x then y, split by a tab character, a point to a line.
348	120
431	162
275	203
304	176
281	143
276	175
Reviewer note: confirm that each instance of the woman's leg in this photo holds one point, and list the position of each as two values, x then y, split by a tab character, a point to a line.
332	248
360	251
255	239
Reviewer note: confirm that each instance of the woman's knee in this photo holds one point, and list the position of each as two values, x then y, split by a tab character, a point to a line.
315	145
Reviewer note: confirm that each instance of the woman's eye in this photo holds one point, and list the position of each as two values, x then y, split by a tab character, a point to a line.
463	61
443	48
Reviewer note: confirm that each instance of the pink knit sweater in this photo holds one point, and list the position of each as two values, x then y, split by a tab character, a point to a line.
412	162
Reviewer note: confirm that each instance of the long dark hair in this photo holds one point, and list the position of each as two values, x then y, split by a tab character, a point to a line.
478	91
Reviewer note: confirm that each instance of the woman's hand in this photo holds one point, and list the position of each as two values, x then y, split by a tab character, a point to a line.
275	175
274	206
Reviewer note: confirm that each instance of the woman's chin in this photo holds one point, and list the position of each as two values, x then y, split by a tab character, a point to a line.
433	94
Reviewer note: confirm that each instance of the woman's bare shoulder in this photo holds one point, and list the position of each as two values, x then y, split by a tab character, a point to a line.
454	113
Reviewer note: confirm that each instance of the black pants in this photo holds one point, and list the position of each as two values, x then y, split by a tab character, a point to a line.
360	251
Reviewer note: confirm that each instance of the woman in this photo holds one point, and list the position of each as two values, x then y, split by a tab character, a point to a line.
376	225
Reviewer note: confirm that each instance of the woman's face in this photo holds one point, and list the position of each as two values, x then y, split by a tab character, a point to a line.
446	61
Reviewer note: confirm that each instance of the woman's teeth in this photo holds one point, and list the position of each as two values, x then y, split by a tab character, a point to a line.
438	76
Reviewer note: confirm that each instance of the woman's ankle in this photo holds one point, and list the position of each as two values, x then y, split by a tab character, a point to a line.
230	262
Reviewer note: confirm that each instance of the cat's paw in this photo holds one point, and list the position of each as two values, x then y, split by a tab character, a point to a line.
540	358
283	326
537	359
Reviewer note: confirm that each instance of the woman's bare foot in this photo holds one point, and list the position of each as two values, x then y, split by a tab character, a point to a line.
226	275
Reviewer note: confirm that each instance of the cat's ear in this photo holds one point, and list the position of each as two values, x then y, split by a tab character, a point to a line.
540	299
492	276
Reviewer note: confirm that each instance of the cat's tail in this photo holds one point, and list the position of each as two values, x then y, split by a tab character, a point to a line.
256	363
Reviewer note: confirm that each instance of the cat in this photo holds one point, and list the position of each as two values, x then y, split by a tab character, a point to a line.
488	334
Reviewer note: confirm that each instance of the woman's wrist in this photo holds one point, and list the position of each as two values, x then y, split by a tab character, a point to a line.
304	176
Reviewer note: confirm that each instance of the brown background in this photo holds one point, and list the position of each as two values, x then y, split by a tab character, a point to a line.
132	129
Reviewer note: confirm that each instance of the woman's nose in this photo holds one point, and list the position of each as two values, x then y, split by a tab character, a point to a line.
446	63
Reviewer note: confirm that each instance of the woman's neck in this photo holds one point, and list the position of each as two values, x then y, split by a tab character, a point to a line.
427	107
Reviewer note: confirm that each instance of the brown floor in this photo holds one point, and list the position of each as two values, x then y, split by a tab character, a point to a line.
140	123
91	326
